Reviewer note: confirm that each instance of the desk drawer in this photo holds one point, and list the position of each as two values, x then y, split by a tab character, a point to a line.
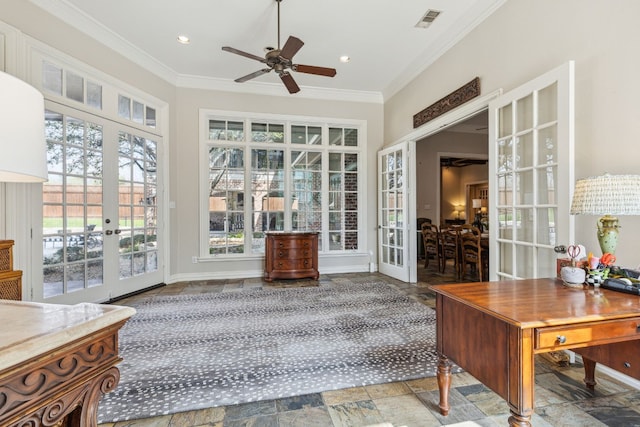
592	333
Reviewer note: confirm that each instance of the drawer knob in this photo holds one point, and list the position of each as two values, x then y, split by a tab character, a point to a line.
627	365
280	264
281	244
637	328
562	339
281	254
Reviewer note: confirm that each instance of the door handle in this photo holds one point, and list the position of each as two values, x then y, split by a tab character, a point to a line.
108	232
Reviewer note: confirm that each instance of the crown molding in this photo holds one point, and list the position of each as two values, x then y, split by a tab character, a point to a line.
276	89
84	23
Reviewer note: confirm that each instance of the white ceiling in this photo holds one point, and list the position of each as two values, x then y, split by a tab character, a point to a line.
385	47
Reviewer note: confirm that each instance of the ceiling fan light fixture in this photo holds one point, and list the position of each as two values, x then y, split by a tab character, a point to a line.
280	60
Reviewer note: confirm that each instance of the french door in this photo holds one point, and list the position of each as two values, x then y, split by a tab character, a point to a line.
393	242
100	218
531	175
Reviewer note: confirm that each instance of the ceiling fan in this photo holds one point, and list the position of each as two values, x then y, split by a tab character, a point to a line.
280	60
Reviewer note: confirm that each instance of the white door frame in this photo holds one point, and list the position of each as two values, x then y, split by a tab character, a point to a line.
436	125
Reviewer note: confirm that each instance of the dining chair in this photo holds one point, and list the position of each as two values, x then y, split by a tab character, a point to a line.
431	247
449	247
471	250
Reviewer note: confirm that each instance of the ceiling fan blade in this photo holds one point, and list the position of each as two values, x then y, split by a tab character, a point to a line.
291	47
311	69
288	81
243	53
252	75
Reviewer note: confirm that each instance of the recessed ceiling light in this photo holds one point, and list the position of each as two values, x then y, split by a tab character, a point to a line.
184	39
345	58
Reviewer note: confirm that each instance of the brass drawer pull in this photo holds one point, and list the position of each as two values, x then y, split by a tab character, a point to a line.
281	254
562	339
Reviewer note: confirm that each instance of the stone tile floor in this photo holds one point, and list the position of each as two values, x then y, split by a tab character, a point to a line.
561	398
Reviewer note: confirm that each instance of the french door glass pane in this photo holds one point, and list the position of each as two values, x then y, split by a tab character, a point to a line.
72	199
392	218
547	185
546	230
137	205
547	104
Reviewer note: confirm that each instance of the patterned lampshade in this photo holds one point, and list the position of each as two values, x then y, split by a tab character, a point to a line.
607	194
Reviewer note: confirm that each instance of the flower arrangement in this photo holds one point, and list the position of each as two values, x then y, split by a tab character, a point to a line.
599	267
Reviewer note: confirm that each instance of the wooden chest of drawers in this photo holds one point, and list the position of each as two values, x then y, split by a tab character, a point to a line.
291	255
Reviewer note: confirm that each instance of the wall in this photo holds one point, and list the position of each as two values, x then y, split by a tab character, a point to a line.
524	39
184	188
428	171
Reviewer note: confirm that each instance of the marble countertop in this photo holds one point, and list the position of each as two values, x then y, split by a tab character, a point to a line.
30	328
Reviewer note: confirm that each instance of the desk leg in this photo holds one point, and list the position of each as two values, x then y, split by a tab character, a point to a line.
589	373
516	420
444	383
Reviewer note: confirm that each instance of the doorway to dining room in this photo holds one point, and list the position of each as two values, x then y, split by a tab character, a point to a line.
447	164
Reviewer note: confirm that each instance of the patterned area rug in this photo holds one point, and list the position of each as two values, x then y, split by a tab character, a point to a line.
199	351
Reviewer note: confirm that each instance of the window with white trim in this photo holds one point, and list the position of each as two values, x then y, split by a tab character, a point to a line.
281	174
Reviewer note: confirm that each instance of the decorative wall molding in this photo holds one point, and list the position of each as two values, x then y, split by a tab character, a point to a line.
448	103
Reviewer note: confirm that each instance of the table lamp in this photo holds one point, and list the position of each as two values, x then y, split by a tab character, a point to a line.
24	153
607	195
22	142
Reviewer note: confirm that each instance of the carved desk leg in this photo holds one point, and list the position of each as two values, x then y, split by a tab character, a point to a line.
444	383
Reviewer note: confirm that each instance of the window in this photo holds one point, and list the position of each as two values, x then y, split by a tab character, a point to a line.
281	175
136	111
226	200
75	87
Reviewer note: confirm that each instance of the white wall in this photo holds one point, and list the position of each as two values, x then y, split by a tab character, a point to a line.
184	170
428	170
524	39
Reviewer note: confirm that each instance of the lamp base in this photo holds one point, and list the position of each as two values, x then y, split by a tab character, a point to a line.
608	233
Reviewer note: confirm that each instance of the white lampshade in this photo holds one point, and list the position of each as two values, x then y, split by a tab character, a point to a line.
607	194
23	150
476	203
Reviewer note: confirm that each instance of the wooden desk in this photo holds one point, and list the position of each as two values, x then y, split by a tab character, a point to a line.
57	361
493	330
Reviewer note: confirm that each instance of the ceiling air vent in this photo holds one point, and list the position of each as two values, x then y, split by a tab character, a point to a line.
428	18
